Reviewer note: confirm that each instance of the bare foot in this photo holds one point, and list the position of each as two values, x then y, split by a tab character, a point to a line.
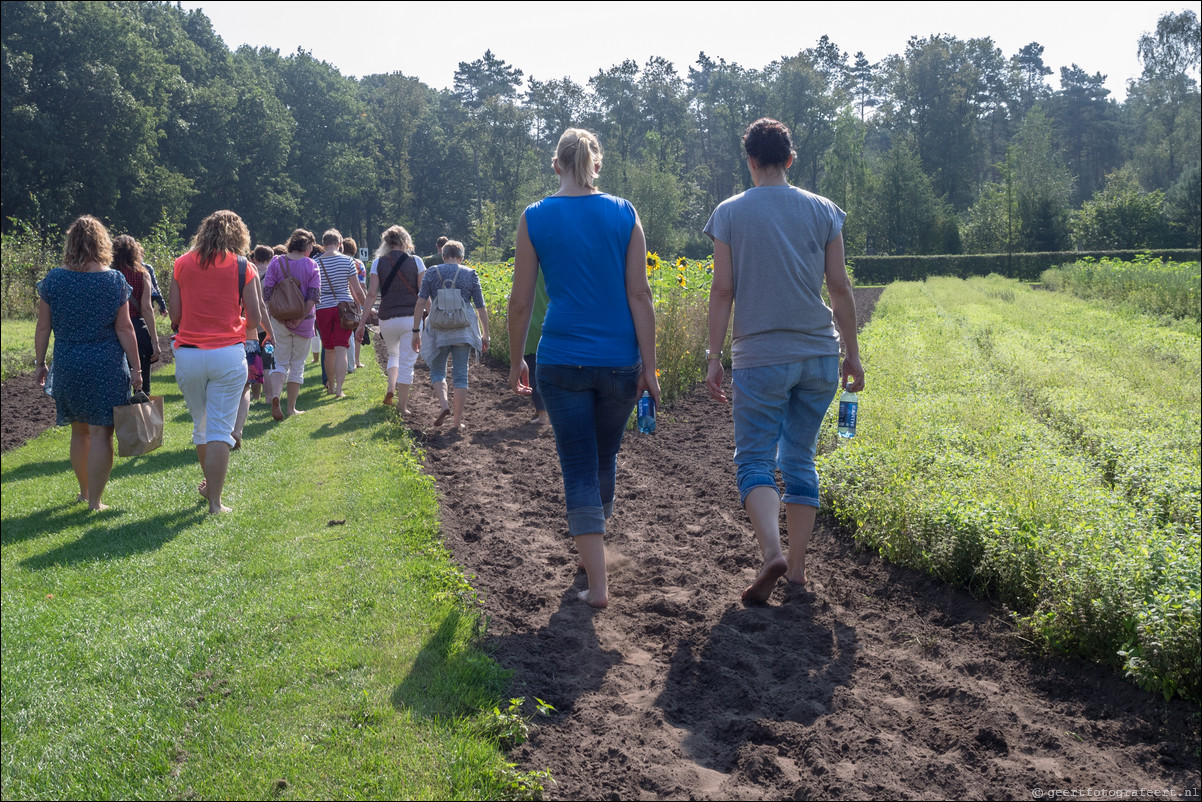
340	394
539	420
82	497
220	509
442	415
203	489
599	603
276	412
97	507
796	579
405	411
759	590
296	412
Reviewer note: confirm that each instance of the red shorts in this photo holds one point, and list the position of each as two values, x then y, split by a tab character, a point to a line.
331	331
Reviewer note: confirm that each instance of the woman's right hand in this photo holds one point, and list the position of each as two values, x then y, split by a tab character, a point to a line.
135	379
39	375
519	378
714	378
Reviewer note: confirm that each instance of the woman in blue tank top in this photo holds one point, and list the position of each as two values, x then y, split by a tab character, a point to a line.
597	350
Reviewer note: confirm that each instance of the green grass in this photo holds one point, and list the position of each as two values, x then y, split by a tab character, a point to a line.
16	347
1010	440
317	642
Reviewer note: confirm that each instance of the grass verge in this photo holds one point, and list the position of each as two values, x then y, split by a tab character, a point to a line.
317	642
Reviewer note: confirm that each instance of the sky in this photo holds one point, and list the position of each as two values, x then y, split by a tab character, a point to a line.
427	40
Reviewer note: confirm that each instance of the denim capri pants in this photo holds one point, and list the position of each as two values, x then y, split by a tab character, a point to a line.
778	410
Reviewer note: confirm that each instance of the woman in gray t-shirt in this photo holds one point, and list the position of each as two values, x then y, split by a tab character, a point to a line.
774	245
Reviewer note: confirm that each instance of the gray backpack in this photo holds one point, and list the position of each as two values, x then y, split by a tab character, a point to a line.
449	311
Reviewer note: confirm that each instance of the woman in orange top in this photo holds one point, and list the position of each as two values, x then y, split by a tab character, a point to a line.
207	314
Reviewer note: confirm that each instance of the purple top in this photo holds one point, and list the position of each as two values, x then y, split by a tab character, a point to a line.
303	270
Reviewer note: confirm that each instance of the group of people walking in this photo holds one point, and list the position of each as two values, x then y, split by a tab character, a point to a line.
580	256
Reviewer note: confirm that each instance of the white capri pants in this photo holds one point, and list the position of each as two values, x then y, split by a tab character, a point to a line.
211	380
398	336
290	352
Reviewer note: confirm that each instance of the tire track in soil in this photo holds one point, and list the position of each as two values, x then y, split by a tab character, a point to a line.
879	682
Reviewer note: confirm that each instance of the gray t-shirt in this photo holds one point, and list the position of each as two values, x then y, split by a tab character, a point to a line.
778	238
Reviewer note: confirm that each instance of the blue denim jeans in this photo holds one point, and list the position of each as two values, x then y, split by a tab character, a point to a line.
588	408
459	355
778	410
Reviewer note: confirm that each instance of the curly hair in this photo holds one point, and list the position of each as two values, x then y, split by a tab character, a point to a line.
87	241
127	253
395	238
769	142
221	232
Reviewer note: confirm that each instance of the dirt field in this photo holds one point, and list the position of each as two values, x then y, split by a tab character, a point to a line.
877	682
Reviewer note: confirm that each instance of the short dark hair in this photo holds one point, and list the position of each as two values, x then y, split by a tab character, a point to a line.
349	246
768	142
300	240
263	253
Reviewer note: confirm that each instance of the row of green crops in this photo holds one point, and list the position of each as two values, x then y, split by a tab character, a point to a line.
1145	283
1042	449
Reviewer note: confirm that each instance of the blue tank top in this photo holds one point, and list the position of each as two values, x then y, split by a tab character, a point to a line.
581	243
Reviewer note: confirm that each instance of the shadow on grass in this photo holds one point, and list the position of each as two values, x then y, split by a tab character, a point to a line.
348	425
448	679
42	522
108	540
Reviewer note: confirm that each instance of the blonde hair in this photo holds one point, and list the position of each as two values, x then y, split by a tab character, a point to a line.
221	232
579	153
87	241
453	249
394	238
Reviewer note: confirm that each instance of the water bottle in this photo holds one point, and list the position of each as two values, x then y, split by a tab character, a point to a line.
848	407
647	413
268	349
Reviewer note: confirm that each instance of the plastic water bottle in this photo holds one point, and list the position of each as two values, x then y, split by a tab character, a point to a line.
849	405
647	413
268	349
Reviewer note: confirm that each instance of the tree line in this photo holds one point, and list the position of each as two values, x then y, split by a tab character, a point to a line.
139	113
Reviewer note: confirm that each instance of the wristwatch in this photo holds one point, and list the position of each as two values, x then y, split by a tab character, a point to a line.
713	354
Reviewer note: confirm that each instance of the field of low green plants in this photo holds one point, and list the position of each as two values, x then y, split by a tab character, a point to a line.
1145	283
1043	449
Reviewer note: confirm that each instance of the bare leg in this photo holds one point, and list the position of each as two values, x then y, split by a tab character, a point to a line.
440	393
763	508
215	462
240	419
79	457
293	392
592	554
392	374
339	374
275	383
402	394
799	518
460	401
100	463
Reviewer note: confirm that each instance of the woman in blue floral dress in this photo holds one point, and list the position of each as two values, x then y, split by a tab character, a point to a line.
95	350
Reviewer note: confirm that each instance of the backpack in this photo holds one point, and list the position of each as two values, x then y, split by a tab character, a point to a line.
449	311
287	300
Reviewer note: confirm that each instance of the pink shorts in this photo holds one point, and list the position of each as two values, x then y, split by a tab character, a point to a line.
331	331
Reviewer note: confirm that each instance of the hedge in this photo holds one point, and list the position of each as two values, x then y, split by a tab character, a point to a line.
1022	266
